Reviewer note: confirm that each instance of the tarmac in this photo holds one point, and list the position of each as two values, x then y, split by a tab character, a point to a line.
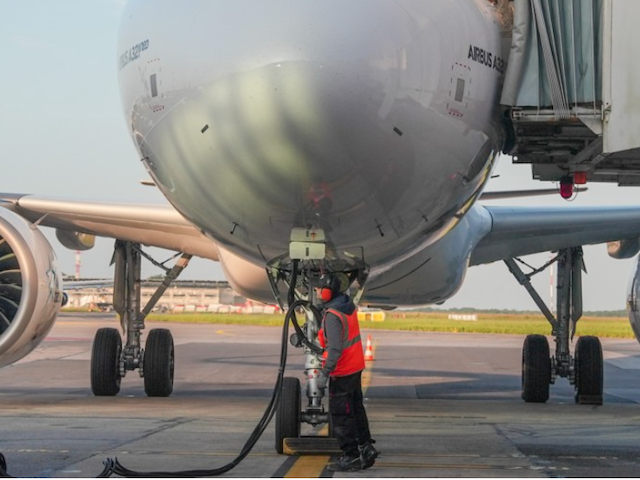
440	405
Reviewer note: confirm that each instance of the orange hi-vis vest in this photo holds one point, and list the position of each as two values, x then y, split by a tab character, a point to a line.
352	358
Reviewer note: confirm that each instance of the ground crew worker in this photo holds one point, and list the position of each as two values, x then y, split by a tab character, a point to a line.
343	364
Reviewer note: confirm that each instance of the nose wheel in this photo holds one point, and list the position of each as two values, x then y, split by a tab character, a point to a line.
288	412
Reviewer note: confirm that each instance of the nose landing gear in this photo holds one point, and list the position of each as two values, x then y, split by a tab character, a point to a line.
584	369
301	278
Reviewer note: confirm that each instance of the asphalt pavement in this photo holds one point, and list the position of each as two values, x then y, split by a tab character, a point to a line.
440	405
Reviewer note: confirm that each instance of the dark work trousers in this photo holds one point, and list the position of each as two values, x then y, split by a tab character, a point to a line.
350	423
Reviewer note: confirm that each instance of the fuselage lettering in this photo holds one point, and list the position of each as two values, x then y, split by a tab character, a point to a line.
486	58
132	54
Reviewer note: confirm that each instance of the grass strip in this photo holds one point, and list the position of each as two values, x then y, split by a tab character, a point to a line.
612	327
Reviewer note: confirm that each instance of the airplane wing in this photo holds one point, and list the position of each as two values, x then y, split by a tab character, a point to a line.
515	231
152	225
518	231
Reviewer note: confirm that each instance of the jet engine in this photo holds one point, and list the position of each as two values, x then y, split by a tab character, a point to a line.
30	287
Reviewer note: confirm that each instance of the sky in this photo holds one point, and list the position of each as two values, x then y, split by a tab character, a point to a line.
62	133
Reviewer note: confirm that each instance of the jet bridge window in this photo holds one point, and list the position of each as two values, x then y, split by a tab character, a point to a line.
154	85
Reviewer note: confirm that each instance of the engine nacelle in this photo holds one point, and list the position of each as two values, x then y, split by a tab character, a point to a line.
246	278
30	287
623	249
76	240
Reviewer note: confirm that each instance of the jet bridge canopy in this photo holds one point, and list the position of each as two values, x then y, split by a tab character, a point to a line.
572	89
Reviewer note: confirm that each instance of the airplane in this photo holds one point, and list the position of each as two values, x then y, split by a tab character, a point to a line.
351	136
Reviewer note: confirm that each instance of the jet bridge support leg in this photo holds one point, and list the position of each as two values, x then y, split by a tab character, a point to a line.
584	369
110	360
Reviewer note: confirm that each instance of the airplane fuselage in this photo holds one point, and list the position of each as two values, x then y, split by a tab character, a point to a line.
373	120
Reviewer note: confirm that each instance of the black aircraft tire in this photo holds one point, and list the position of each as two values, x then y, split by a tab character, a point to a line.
536	369
589	371
288	412
159	360
105	360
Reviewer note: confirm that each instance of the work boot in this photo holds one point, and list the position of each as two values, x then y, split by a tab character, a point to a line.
348	462
368	454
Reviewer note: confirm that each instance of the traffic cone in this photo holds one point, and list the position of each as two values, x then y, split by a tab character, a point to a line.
368	351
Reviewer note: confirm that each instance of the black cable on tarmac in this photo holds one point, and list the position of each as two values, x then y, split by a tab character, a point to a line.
114	467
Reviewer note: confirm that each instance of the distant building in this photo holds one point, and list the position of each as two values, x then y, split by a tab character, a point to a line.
182	296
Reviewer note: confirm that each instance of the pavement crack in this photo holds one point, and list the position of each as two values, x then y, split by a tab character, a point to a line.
535	463
164	426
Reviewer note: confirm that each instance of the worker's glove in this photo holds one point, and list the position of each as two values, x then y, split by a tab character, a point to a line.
322	381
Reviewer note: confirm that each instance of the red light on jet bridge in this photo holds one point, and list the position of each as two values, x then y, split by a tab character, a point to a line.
566	187
580	178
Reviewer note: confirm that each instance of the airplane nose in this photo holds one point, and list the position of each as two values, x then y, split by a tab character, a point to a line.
291	122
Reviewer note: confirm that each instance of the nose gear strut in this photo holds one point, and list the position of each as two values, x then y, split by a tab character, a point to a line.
302	277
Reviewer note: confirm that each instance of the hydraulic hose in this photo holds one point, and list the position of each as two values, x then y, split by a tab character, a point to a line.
114	467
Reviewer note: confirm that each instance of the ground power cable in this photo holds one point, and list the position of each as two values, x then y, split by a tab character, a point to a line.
114	467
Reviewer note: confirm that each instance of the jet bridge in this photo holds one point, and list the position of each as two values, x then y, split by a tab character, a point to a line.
572	90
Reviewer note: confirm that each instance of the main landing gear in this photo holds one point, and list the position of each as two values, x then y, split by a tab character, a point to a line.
110	359
584	369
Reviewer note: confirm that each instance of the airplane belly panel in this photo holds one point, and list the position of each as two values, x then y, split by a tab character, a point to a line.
433	274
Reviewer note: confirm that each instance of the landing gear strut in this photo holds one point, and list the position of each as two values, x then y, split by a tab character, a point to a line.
290	414
110	360
584	370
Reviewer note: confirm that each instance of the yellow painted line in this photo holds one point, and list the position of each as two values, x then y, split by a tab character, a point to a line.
308	467
223	332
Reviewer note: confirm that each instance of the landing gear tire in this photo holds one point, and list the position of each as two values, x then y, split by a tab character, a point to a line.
288	413
159	360
105	363
536	369
589	371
